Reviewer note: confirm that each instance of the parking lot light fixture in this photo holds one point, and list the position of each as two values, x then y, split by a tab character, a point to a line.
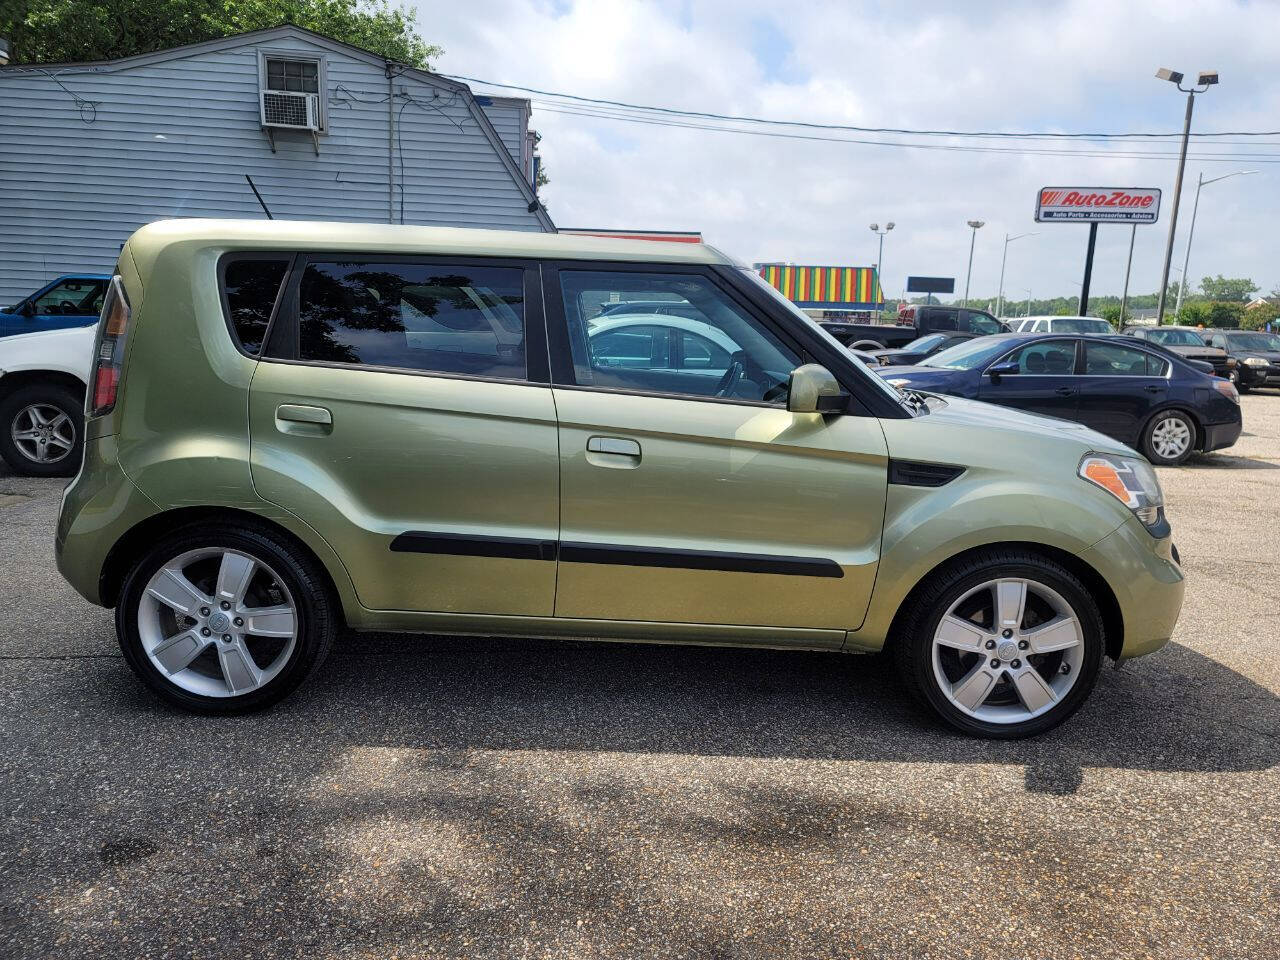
1003	257
1205	80
1201	183
875	227
974	225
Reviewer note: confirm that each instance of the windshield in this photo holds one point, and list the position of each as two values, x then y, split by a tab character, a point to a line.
926	343
1254	341
1175	338
880	384
1081	325
967	356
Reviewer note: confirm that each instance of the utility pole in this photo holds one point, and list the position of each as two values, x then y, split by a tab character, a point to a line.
1205	80
1124	299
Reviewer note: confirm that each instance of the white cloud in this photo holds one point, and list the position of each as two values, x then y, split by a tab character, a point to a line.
1076	65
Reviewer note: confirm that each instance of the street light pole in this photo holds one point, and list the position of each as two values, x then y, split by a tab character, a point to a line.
1205	80
973	237
1005	256
875	228
1201	182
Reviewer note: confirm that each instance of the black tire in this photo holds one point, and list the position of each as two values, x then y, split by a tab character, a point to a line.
913	640
316	618
866	345
1148	431
12	409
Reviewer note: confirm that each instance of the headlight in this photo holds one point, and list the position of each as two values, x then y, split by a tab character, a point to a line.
1255	362
1132	482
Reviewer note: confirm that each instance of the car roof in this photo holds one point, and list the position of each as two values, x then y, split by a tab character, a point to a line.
1046	316
372	238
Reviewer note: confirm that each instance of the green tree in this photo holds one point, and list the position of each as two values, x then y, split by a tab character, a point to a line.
59	31
1237	289
1193	314
1224	313
1256	318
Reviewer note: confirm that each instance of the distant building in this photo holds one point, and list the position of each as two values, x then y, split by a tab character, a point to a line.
1260	302
841	291
91	151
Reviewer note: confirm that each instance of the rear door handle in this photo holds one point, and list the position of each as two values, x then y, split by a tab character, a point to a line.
303	413
1065	391
1152	388
614	445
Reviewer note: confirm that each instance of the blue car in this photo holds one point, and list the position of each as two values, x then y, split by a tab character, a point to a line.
1140	394
74	300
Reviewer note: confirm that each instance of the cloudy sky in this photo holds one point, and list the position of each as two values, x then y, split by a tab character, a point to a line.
1074	66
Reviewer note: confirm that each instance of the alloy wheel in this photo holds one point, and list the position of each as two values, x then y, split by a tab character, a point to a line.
1170	437
43	433
1008	651
217	622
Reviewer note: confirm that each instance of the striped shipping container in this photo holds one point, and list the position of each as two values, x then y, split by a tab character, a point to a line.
829	288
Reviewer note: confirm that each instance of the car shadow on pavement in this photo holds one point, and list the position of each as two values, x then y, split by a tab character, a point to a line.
1225	461
1175	711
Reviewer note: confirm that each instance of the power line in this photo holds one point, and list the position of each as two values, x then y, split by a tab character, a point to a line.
855	129
1124	154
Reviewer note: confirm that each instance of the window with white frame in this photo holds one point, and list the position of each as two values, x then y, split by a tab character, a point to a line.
291	90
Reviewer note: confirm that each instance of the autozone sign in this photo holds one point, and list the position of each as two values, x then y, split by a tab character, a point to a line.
1098	204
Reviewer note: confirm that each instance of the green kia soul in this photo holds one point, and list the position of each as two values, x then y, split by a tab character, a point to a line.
295	426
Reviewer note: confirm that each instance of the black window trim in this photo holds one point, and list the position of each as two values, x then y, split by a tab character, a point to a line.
281	344
240	256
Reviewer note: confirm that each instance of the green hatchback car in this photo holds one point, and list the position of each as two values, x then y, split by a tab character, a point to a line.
292	427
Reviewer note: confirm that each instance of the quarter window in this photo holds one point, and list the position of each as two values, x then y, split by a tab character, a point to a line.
1112	360
439	318
726	352
251	287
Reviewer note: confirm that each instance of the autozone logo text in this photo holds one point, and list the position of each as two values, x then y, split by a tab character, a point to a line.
1113	198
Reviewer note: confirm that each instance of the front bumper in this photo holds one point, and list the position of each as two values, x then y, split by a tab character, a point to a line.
1252	376
1147	582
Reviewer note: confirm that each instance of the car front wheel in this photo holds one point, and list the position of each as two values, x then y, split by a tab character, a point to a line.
224	620
1003	644
1169	438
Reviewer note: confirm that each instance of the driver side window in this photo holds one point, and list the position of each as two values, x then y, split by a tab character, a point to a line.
72	298
702	345
1055	358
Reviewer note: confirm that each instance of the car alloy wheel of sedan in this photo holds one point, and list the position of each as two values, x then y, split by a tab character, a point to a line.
42	433
1171	437
1008	651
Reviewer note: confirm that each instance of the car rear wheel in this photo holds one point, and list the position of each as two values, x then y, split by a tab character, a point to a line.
1170	437
42	430
1002	645
224	620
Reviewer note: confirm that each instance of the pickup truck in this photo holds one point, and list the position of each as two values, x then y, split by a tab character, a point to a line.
913	321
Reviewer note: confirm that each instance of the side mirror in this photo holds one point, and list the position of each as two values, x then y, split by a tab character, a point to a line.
26	309
814	389
1006	369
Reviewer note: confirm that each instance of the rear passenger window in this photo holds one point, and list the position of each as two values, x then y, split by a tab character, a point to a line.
251	286
438	318
1113	360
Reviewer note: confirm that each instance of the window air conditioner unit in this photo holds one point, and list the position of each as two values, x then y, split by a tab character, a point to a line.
292	111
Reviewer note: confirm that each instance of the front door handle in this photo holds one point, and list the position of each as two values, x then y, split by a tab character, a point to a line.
303	413
614	445
1065	391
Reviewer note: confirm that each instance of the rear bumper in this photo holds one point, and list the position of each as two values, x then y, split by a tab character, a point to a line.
1219	435
1147	582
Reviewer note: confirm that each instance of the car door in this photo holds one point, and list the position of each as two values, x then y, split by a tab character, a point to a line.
402	409
1045	382
705	501
1119	387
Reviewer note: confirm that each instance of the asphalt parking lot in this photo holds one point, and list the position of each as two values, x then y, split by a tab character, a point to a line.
489	798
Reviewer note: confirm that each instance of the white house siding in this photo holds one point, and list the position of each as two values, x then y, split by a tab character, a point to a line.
174	137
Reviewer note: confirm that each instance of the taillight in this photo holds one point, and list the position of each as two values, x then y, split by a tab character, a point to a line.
108	350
